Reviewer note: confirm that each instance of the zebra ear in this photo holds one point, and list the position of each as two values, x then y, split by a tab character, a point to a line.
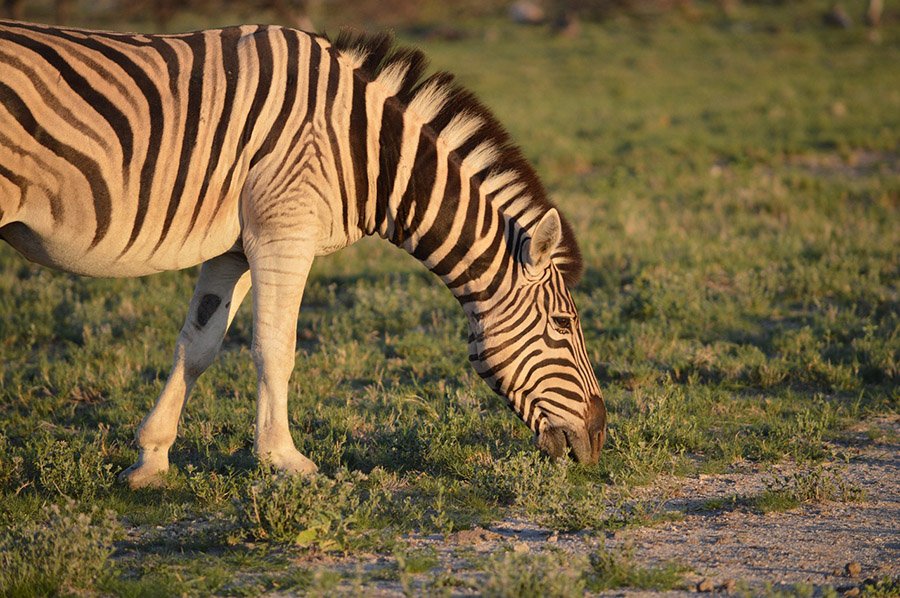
544	241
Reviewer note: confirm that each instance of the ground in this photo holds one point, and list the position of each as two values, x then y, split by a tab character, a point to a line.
714	536
734	183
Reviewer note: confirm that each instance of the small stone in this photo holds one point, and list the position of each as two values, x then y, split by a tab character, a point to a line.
728	586
853	569
706	585
852	593
521	547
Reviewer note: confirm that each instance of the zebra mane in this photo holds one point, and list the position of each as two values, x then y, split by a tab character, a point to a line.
443	103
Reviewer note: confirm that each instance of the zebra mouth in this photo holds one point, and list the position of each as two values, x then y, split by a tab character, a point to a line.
557	442
579	447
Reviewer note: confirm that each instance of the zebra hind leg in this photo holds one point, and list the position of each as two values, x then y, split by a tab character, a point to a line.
223	284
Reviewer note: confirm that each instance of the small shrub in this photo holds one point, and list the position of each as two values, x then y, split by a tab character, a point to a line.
65	552
552	575
73	468
543	489
11	466
612	569
817	485
211	488
514	479
315	512
881	588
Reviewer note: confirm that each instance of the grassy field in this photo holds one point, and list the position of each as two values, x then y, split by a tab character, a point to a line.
735	189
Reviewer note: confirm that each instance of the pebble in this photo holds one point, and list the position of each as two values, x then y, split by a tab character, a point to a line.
705	585
852	592
521	547
853	569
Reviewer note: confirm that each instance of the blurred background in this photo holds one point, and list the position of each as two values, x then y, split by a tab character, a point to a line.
449	19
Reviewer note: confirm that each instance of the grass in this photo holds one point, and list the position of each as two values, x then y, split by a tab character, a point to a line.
785	492
734	186
560	574
612	569
816	486
63	551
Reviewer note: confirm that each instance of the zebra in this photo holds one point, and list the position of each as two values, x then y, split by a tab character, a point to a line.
253	149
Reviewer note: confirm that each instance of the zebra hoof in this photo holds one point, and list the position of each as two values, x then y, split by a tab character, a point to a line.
291	462
143	476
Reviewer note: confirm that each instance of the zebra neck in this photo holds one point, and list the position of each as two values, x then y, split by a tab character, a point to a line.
458	231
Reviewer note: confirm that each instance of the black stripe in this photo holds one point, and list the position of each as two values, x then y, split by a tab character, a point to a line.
330	95
421	182
498	368
315	63
197	46
21	182
228	41
489	212
390	142
437	233
556	376
100	103
88	167
290	96
264	84
56	207
359	140
466	237
517	340
481	263
172	62
551	403
506	265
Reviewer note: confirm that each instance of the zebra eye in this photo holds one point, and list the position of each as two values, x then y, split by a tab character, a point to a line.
562	323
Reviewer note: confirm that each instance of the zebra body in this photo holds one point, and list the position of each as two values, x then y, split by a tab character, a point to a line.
254	149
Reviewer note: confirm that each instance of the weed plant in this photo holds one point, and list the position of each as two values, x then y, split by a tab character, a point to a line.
558	573
517	575
815	486
611	569
316	512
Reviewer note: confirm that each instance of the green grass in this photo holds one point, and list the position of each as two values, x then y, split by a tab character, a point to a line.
734	186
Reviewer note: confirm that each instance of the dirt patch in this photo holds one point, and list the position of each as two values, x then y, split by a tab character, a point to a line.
805	545
722	543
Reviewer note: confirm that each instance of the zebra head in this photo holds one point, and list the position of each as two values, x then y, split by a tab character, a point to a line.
529	348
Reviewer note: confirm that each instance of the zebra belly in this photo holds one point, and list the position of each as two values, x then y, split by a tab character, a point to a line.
62	254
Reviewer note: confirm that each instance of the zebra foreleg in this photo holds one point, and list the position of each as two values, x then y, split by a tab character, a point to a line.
279	266
223	284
